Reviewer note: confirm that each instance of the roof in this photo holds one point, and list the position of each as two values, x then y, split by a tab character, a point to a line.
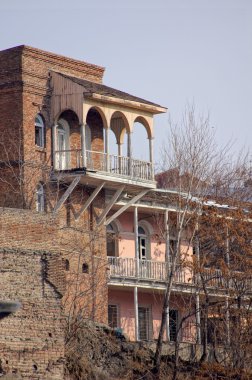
96	88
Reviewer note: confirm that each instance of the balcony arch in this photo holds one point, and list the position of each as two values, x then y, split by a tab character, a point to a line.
119	125
66	140
142	131
98	109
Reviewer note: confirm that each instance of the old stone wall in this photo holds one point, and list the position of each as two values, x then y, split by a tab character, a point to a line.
32	339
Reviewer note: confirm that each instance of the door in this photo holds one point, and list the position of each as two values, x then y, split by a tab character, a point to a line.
61	148
144	323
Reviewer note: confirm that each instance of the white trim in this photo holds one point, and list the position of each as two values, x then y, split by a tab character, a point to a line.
40	126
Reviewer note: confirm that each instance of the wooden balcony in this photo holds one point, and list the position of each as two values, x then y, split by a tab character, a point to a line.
144	271
150	271
115	166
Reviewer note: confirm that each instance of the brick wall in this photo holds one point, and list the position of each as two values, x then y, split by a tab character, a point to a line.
32	339
24	92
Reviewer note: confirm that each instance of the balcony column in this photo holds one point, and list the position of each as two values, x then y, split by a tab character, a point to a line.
129	154
167	259
107	148
137	273
197	300
136	240
83	145
54	145
151	158
136	313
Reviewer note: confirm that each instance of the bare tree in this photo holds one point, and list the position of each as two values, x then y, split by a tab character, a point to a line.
199	173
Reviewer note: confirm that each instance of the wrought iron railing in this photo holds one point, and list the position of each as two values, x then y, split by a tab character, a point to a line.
109	163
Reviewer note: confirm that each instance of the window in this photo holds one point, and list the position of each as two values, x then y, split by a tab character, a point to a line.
62	154
85	268
40	198
67	265
39	131
173	250
111	241
113	316
144	323
142	243
173	324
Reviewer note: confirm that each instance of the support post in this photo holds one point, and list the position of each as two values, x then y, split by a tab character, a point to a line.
54	145
89	200
136	313
167	259
130	171
103	215
167	240
136	240
107	148
66	194
83	145
151	157
127	205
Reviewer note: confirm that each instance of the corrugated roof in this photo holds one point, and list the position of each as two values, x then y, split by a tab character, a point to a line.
96	88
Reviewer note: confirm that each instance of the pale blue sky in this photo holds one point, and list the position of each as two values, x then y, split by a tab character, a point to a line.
168	51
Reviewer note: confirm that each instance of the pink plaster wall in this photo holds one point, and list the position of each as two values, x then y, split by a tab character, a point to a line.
125	301
126	244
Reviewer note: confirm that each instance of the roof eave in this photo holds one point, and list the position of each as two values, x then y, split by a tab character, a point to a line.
154	109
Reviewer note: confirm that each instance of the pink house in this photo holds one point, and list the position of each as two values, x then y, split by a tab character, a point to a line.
140	252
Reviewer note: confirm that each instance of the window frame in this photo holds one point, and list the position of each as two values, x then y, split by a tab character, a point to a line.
143	248
117	308
40	128
111	237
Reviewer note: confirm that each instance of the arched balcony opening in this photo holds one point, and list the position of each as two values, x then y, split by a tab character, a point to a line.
142	149
120	127
95	140
117	145
66	141
141	132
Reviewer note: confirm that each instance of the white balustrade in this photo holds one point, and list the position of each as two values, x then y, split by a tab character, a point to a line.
151	270
98	161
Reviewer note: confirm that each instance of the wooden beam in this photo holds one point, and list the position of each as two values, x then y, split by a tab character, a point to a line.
66	194
124	208
109	206
89	200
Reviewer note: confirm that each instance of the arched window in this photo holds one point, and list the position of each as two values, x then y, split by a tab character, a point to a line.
111	241
39	131
143	245
40	198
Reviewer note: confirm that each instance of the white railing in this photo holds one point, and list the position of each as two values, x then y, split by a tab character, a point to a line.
99	161
144	269
130	268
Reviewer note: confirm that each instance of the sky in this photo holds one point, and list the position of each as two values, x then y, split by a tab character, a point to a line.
171	52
